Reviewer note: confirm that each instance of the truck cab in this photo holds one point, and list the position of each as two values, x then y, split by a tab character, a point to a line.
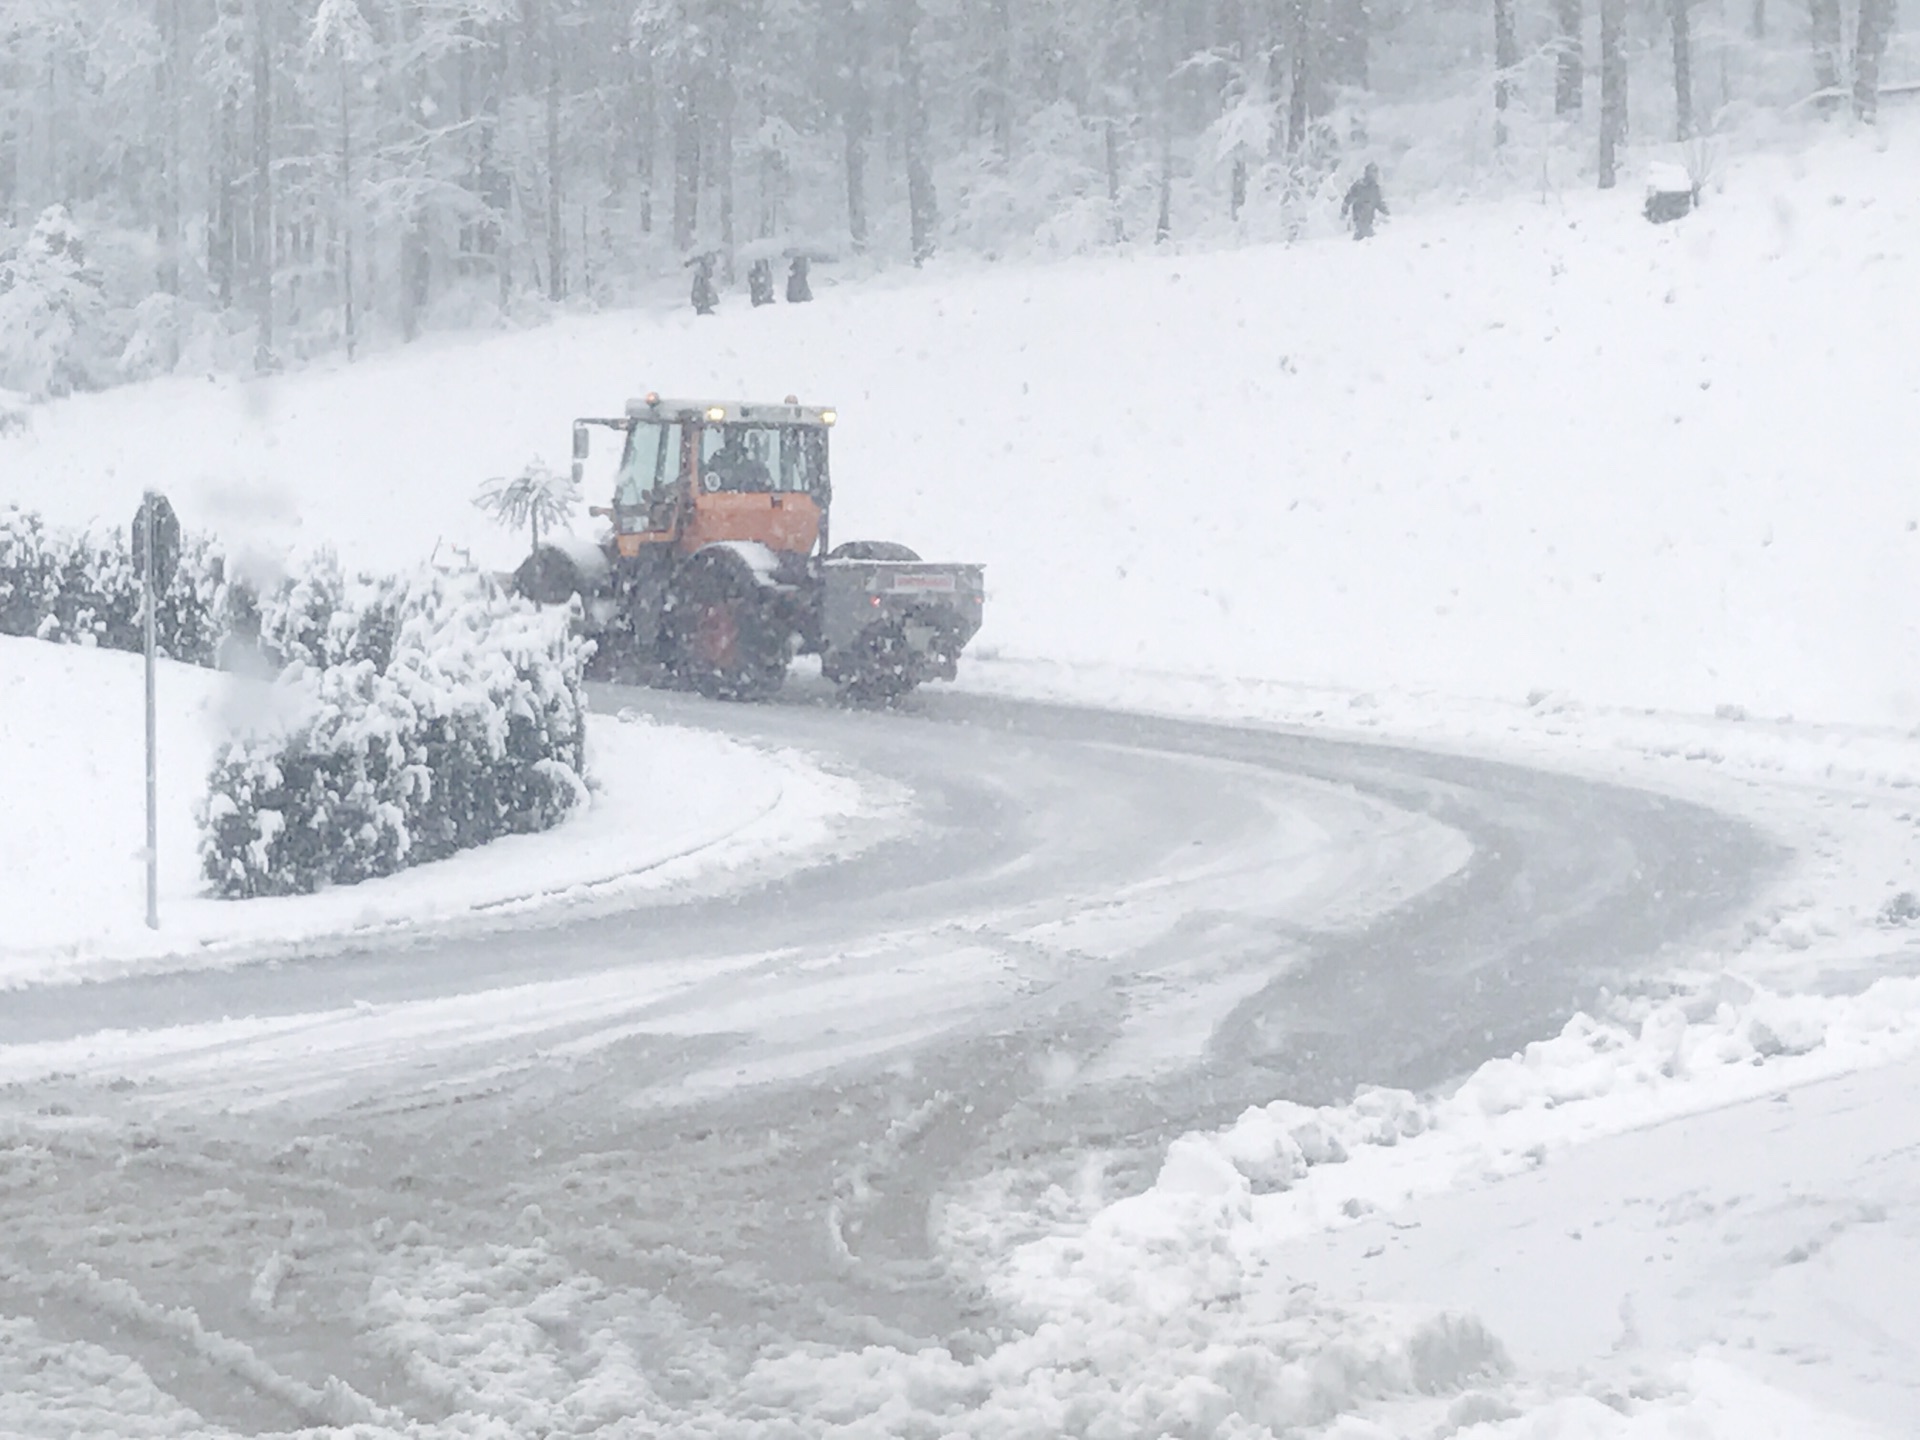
717	568
695	473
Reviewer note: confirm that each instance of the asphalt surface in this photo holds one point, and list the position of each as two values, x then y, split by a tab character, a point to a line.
1097	930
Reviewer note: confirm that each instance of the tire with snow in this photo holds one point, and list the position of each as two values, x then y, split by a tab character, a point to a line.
871	550
726	639
881	667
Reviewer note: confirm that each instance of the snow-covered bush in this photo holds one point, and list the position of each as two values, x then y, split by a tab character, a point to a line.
51	311
435	715
27	567
83	588
156	328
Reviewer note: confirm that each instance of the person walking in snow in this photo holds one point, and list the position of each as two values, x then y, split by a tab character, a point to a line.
704	296
1364	201
760	282
798	290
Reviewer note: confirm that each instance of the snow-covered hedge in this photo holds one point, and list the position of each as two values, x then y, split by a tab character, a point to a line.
83	588
434	715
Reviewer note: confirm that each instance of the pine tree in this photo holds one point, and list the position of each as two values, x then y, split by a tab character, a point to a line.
51	308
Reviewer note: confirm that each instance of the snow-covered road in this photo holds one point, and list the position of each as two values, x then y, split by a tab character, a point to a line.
338	1186
1269	899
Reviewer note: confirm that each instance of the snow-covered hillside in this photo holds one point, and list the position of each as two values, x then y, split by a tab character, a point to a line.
1540	446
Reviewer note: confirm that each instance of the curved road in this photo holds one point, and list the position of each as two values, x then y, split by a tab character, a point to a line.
1095	930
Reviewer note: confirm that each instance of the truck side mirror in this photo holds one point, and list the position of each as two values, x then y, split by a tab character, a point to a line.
581	444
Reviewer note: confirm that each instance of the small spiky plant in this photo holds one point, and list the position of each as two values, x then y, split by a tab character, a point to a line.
538	497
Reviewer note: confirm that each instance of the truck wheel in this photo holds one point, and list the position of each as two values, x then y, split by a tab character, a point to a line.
871	550
726	643
880	668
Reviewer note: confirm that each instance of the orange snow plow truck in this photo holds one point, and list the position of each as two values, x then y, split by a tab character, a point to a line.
716	568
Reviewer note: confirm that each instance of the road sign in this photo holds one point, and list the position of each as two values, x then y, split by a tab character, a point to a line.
166	538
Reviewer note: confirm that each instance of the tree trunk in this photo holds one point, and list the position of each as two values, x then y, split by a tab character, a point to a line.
346	209
496	193
167	102
770	170
9	150
220	242
686	159
1757	25
1234	98
1117	222
649	138
1506	55
1613	88
1570	67
1682	69
1825	15
724	100
1000	80
220	207
556	222
55	183
1299	108
1305	98
465	86
1876	27
923	207
856	120
1163	220
263	236
723	182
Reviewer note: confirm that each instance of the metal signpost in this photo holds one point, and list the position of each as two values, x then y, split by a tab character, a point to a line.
156	542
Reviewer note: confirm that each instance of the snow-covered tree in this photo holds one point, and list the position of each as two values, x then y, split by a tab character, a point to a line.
298	176
51	309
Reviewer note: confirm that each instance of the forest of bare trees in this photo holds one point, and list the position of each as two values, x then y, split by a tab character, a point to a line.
263	180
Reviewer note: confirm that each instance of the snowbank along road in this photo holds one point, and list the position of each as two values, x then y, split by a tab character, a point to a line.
595	1173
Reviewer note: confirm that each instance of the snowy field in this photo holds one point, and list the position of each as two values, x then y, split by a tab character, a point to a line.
1538	481
671	808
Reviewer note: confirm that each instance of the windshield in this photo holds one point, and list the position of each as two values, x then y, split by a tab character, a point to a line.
778	458
651	461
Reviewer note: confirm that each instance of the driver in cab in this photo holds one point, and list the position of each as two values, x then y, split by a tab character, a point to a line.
735	467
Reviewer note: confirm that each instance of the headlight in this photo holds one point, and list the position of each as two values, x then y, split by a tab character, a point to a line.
717	412
827	417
